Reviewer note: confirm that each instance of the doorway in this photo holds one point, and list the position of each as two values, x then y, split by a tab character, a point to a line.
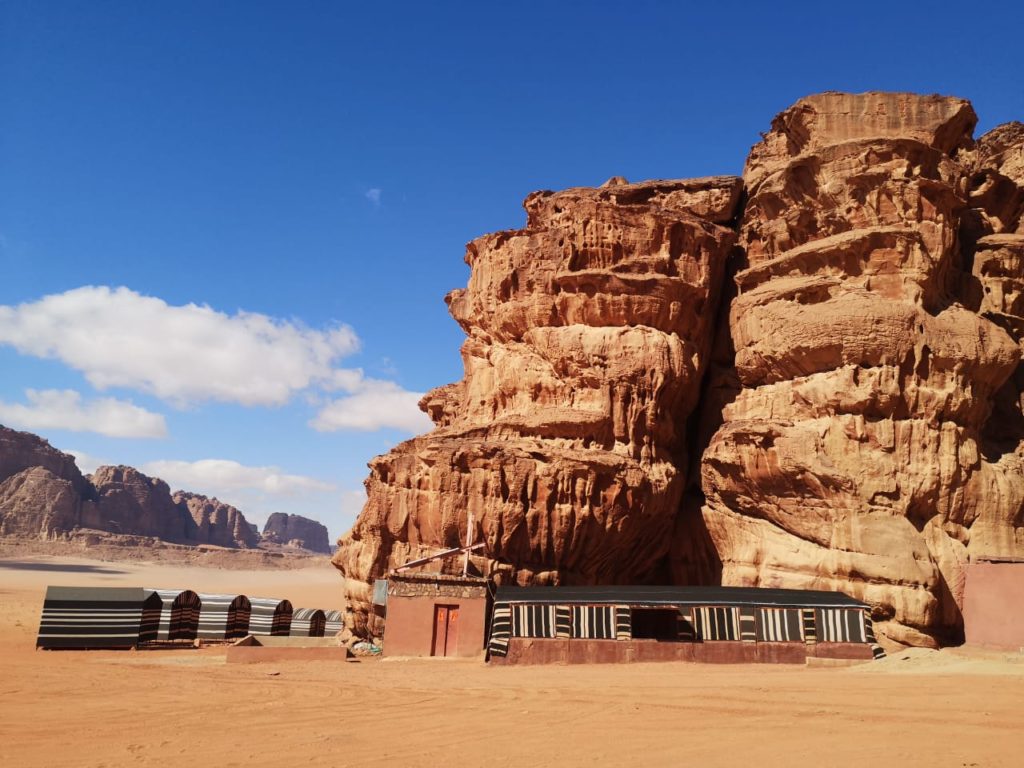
446	630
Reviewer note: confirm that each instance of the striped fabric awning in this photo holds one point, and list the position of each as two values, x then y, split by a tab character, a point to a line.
270	616
223	617
179	616
98	617
308	622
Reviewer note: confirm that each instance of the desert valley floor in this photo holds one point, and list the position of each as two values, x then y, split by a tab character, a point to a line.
160	708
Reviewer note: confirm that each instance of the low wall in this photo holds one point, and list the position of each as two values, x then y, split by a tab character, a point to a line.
528	650
994	605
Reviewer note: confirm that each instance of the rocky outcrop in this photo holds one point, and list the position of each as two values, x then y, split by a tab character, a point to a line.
296	531
36	503
861	419
214	522
848	457
133	503
23	450
41	489
588	333
44	496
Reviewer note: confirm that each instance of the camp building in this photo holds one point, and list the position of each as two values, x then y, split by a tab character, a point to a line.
708	624
433	614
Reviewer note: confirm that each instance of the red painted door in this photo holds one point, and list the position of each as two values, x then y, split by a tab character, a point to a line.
451	646
440	630
446	630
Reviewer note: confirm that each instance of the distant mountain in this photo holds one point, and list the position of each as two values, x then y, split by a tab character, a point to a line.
43	495
295	530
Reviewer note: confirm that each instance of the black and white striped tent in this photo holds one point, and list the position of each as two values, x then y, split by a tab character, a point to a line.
308	622
682	614
98	617
334	623
179	617
270	616
223	617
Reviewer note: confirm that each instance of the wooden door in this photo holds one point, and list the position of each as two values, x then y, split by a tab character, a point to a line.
451	645
446	630
440	630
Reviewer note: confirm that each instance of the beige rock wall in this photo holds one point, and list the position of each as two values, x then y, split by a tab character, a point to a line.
850	458
845	412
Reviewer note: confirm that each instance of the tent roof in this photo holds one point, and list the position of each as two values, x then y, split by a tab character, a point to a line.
99	594
642	595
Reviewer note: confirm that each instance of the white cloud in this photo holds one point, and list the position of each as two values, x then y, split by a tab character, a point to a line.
65	409
374	405
223	476
373	195
119	338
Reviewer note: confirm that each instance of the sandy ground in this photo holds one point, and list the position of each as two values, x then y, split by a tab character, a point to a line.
172	708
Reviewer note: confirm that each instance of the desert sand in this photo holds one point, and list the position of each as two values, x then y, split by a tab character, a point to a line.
157	708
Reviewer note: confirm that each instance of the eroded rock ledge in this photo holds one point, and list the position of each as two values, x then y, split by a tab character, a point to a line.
866	390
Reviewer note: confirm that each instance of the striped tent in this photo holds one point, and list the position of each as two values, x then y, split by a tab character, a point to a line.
98	617
680	613
270	616
334	623
223	617
179	617
308	622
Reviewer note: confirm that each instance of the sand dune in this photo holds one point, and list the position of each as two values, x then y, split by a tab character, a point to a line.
160	708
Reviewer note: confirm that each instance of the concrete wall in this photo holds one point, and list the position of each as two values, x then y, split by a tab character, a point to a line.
994	605
409	629
527	650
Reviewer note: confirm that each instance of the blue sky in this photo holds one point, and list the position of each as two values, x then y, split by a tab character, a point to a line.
226	229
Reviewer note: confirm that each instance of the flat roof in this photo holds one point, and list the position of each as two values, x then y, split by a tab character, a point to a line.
642	595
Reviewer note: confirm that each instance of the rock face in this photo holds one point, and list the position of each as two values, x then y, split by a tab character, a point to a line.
36	503
588	333
43	495
297	531
850	457
214	522
41	489
22	450
131	502
857	380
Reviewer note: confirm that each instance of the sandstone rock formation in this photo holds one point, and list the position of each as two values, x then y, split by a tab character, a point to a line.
296	531
588	333
848	458
860	423
43	495
36	503
214	522
41	489
22	450
131	502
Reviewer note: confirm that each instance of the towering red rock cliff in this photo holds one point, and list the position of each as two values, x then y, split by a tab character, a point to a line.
587	337
848	458
848	438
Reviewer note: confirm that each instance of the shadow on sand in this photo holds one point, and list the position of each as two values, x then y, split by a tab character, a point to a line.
24	565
